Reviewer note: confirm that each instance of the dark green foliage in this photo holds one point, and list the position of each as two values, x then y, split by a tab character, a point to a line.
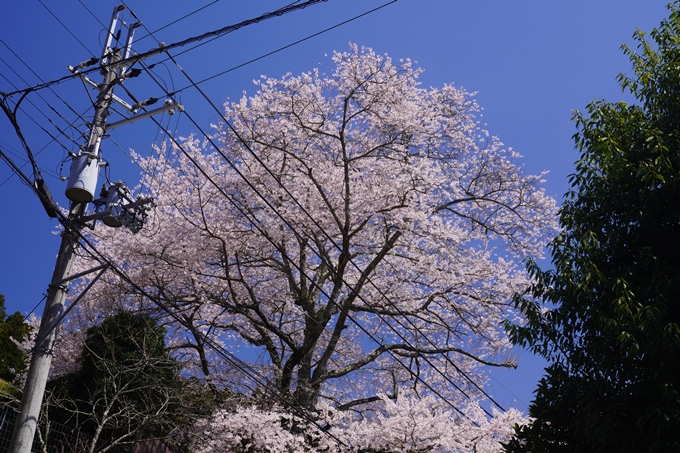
12	359
127	386
607	316
130	347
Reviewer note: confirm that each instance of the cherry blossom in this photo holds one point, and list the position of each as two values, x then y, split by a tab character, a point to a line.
353	237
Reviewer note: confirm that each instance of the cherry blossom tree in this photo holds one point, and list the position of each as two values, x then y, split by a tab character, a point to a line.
352	236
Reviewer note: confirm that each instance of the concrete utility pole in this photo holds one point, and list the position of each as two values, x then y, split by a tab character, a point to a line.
119	210
25	424
80	190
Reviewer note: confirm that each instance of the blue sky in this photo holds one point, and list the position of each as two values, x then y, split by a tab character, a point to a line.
531	62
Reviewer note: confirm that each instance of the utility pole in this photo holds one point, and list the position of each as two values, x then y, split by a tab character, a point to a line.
120	211
31	400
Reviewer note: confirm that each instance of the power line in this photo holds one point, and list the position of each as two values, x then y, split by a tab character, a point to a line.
42	196
180	19
66	28
141	56
41	80
192	83
291	7
254	222
76	230
92	14
284	47
265	55
37	374
315	35
13	114
25	162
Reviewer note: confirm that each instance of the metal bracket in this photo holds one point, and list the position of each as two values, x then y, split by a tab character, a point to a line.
103	268
168	106
78	275
98	87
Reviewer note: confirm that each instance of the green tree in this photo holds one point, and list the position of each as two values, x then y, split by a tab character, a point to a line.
607	316
12	359
127	385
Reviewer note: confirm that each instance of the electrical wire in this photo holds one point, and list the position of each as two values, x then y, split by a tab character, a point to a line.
214	34
268	54
12	115
194	85
25	162
254	223
170	23
35	308
275	51
69	123
15	168
65	27
141	56
262	232
207	340
26	180
52	137
92	14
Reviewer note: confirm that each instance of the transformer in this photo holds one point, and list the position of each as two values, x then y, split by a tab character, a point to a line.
82	181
